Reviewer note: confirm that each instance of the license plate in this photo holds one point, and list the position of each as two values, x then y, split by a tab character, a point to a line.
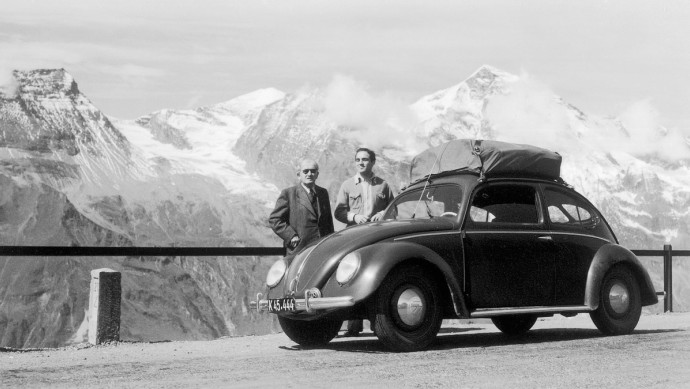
281	305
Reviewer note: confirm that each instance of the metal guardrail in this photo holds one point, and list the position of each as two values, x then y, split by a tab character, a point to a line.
667	253
79	251
82	251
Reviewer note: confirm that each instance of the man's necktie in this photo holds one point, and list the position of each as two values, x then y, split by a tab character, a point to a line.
312	199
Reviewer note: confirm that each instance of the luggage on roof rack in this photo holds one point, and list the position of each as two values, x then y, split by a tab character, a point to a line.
486	158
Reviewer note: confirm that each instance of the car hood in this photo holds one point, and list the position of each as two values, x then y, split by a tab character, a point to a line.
313	266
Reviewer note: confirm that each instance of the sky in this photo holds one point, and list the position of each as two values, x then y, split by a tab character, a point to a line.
133	57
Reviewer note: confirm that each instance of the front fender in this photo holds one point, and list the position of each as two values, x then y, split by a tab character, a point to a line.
606	257
379	259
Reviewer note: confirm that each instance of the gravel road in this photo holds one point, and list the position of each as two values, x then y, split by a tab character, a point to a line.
558	352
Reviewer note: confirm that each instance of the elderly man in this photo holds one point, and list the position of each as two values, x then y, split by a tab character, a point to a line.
361	199
303	212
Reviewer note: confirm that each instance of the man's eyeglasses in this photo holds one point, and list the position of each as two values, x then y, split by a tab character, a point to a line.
307	171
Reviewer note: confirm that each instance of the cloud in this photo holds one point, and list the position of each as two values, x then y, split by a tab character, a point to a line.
8	85
376	121
647	136
532	113
194	100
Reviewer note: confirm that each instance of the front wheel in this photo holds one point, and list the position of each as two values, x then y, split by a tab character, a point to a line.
310	333
514	325
619	303
407	308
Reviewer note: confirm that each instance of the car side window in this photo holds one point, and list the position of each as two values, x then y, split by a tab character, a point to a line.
505	203
427	203
567	210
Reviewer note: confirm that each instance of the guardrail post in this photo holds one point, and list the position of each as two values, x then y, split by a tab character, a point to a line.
668	278
104	306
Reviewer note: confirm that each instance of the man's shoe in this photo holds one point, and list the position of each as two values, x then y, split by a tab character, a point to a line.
351	334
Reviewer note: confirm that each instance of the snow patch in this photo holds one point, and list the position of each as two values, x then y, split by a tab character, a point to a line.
81	335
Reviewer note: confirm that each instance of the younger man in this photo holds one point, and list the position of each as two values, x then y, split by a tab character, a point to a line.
362	199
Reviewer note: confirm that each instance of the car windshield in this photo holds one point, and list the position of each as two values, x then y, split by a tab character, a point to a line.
426	203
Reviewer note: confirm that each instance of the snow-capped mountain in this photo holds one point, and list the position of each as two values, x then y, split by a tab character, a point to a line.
646	197
70	175
198	141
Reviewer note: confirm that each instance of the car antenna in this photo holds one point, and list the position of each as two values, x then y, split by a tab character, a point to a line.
428	177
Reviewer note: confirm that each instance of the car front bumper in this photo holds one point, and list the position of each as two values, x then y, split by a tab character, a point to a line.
312	301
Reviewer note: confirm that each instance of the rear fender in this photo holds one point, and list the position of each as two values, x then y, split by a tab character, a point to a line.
608	256
379	259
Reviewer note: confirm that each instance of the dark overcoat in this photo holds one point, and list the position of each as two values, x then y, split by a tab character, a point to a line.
294	215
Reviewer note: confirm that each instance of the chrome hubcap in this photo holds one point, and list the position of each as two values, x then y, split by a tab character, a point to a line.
619	298
411	307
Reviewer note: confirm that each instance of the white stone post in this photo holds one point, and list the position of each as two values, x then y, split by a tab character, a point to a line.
104	306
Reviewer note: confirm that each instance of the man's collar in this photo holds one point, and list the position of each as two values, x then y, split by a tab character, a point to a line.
307	188
359	178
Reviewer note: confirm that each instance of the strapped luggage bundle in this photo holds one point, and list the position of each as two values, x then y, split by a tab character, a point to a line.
486	158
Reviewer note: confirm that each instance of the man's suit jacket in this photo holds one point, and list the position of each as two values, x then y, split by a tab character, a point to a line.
294	215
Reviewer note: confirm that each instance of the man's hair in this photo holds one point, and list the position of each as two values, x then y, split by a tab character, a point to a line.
302	161
372	155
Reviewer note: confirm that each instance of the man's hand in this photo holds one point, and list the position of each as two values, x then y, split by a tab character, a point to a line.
294	242
360	219
377	217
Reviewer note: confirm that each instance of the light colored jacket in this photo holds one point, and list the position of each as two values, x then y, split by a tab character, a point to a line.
349	201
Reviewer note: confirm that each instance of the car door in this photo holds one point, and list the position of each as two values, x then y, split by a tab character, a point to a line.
509	254
578	231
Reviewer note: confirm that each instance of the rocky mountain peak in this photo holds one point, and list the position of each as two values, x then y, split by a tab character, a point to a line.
488	80
49	83
458	111
49	114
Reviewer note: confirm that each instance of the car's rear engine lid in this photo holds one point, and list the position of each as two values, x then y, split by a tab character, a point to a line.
486	158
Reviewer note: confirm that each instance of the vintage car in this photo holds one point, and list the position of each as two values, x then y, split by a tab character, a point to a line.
486	230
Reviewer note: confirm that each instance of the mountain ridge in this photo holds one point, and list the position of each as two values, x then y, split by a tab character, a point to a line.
209	177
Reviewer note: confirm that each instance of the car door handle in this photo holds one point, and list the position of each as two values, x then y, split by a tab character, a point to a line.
546	237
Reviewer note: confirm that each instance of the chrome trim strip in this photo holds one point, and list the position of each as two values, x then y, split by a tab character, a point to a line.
303	264
531	232
309	305
492	312
432	233
579	234
542	232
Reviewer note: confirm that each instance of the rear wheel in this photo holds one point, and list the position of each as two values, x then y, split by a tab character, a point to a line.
407	310
514	325
310	333
619	303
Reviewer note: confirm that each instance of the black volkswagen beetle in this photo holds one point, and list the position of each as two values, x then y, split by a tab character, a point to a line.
488	230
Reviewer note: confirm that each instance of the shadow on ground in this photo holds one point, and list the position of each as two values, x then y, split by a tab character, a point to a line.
459	338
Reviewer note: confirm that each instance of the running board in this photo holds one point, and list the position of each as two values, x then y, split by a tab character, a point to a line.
492	312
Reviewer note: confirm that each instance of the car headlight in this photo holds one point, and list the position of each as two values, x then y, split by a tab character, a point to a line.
276	273
348	268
